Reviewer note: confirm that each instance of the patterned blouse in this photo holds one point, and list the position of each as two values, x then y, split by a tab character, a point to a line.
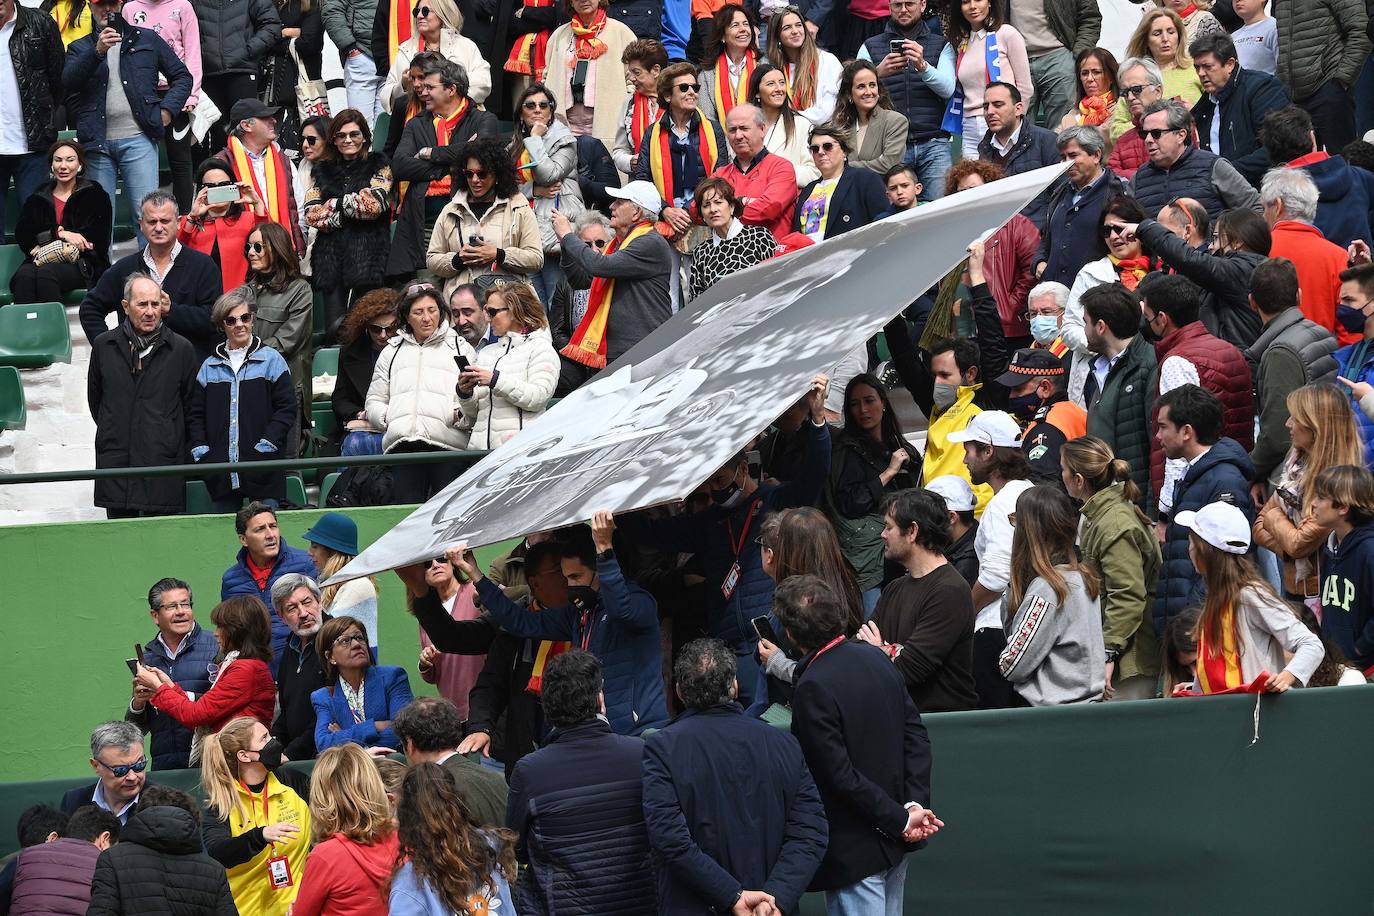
714	258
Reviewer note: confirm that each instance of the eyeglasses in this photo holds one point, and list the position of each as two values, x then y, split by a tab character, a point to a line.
1158	132
492	313
762	543
175	606
1110	229
382	330
254	247
350	640
138	766
536	105
1135	90
309	140
421	12
1046	313
687	87
478	174
349	135
826	147
242	319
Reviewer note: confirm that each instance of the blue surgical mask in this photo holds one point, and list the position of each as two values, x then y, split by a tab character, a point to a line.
1351	318
1044	328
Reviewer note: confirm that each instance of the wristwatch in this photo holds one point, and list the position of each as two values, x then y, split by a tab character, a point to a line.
1113	655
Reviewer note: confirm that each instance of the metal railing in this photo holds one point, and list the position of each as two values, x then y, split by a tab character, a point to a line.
467	458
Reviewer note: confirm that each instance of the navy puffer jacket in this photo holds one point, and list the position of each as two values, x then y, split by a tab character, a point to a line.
1223	474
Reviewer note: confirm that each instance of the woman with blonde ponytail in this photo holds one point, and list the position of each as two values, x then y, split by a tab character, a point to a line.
1119	544
257	820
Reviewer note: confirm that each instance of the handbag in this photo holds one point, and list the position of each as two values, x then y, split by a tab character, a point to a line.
57	252
312	98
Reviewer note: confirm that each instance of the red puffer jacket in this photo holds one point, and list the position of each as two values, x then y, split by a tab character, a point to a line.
1222	370
1008	260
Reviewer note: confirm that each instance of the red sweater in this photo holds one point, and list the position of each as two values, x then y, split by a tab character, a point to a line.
1319	265
771	187
230	234
344	878
244	688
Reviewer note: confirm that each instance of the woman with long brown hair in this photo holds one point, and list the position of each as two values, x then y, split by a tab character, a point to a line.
1119	545
370	326
813	75
285	306
354	836
785	130
445	863
731	56
1054	632
1245	629
1324	435
865	108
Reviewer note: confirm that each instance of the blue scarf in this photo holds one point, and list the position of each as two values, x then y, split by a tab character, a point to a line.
954	114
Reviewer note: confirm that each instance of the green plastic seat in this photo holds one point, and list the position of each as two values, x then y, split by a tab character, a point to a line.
323	418
13	415
327	486
326	362
33	336
124	214
198	501
11	216
380	130
11	256
295	490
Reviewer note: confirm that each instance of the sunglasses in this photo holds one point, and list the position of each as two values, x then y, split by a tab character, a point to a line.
439	561
418	286
349	135
1158	132
242	319
309	140
381	330
254	247
421	12
533	105
492	313
138	766
826	147
598	243
1134	90
479	174
688	87
1110	229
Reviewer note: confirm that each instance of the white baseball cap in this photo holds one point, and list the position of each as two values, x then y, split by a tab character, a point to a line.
957	491
1220	524
642	194
991	427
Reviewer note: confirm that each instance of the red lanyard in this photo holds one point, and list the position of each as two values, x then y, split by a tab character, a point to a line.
266	801
826	648
739	545
587	620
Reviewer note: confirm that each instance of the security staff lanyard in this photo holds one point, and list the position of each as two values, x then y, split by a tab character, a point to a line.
727	588
278	866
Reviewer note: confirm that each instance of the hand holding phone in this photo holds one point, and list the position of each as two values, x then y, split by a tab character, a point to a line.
226	194
764	628
462	363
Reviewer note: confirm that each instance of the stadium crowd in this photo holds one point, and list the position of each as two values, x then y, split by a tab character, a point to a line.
1146	469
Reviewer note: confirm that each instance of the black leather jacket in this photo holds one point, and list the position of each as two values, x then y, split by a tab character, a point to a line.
38	55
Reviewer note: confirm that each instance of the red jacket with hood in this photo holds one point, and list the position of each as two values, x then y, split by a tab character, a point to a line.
344	878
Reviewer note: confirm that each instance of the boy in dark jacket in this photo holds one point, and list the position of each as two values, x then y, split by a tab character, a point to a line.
159	866
54	878
1343	500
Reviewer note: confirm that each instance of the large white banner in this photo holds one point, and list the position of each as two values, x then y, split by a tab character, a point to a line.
659	421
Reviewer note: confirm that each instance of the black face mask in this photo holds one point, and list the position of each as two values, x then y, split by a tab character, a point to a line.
583	598
1024	407
727	498
271	754
1148	332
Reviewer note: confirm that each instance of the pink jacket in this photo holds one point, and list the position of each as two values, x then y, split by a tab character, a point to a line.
175	22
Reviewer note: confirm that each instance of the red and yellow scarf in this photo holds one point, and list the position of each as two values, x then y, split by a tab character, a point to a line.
1094	110
1057	347
529	54
642	115
1130	271
725	97
443	132
277	194
400	26
588	344
801	103
660	155
1218	667
524	166
548	650
588	44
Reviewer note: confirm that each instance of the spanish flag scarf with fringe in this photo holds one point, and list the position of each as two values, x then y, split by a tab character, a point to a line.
529	54
548	650
660	154
1218	667
588	45
277	194
642	115
443	132
725	97
588	343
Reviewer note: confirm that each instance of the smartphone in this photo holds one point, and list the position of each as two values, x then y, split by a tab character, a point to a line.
896	46
764	628
133	666
138	654
474	240
461	362
115	22
223	195
1289	497
755	461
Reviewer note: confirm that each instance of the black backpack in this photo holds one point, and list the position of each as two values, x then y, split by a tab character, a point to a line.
369	485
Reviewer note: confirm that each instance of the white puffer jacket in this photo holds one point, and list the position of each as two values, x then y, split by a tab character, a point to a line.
526	367
413	395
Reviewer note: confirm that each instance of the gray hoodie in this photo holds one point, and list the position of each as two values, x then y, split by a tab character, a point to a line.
1055	654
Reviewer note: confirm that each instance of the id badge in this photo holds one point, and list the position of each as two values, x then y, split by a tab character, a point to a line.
279	872
727	588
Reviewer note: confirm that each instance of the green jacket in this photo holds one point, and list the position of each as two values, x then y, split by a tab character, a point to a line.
1122	549
1076	23
1320	40
1119	414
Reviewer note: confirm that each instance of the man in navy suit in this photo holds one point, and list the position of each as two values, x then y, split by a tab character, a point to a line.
120	764
866	747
